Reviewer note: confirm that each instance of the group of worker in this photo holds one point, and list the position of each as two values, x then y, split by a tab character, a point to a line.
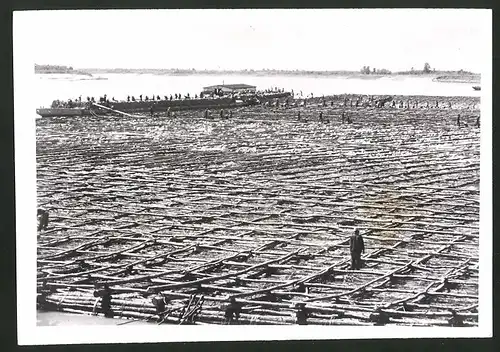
176	96
206	113
70	103
344	118
104	100
179	96
222	114
274	90
347	119
380	103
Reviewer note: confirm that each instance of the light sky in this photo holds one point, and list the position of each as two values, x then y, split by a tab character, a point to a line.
320	39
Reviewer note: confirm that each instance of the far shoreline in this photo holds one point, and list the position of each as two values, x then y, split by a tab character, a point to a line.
442	77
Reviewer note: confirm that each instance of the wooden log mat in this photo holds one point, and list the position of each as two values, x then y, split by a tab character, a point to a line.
261	207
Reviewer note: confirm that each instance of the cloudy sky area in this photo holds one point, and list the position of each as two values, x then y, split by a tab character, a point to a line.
329	39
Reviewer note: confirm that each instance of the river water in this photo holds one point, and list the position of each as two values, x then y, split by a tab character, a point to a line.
51	87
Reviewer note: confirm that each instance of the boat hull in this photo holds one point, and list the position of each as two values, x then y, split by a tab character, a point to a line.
49	112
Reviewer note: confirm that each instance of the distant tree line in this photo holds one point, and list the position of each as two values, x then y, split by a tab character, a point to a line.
366	70
427	69
58	69
53	68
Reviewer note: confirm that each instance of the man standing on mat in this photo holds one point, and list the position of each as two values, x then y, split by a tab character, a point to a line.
357	246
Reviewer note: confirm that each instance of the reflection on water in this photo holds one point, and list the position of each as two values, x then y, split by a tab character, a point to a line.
51	87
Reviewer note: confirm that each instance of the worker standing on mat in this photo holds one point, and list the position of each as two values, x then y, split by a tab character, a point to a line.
44	219
357	246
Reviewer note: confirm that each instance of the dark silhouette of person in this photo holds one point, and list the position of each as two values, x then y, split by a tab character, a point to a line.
105	294
140	97
232	312
301	314
128	98
357	246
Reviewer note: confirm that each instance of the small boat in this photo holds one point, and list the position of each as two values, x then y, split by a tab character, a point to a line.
476	87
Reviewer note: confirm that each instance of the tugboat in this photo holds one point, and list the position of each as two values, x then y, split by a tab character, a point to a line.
476	87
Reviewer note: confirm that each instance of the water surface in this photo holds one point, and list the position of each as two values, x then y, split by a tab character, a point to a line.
51	87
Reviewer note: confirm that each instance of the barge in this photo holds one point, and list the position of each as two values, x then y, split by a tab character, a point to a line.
132	107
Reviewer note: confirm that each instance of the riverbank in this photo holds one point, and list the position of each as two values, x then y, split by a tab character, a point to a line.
473	79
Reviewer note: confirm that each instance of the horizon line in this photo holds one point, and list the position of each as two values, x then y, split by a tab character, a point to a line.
434	70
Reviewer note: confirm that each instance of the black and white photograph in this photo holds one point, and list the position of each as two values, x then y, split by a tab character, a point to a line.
252	174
